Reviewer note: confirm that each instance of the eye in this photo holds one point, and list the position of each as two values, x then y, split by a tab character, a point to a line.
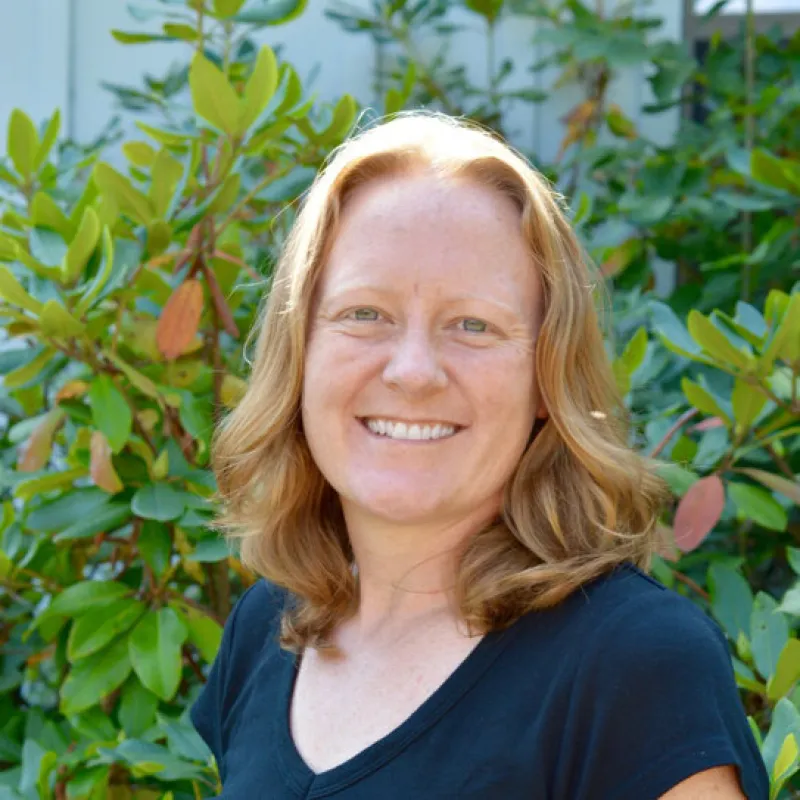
472	325
363	315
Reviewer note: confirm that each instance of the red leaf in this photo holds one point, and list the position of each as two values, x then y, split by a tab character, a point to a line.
180	319
35	453
101	468
698	512
708	424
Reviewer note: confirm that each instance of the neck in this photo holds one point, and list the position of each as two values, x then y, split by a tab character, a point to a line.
407	572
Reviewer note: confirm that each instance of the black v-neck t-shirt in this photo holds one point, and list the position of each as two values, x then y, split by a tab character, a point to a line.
618	693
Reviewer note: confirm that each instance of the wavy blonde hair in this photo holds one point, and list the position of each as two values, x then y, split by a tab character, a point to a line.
580	500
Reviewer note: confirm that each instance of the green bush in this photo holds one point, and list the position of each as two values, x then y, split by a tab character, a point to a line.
127	295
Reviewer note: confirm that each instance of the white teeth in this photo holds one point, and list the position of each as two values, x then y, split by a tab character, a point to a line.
414	432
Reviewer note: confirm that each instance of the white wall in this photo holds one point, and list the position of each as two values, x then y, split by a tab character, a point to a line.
55	53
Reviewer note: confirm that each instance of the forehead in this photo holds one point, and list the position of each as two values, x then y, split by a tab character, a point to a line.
441	233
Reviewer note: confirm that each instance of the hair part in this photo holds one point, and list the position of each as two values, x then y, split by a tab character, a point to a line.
580	501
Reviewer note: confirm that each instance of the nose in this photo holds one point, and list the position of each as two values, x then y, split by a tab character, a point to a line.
414	366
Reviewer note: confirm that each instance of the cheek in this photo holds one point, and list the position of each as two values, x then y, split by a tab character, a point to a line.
336	367
505	384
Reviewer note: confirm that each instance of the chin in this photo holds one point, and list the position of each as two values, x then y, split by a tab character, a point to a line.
410	507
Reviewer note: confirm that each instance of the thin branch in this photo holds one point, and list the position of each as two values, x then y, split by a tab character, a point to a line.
693	585
677	425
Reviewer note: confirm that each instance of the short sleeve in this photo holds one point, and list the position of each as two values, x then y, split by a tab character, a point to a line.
654	702
209	711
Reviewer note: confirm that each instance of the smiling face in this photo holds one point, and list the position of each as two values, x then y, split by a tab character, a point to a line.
419	392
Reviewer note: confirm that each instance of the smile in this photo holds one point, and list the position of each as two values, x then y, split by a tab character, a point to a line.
409	431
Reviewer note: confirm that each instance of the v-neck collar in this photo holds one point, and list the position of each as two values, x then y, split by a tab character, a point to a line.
309	784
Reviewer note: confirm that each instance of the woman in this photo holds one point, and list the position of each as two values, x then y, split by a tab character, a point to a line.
430	472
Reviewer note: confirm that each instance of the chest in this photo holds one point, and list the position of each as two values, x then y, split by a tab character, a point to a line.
340	707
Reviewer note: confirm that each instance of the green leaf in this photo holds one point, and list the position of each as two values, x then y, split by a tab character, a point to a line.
680	479
129	199
81	597
137	710
110	412
186	33
57	322
776	172
213	97
787	671
141	154
786	765
155	546
769	633
102	521
260	88
759	505
490	9
793	557
183	739
48	140
344	114
27	489
94	724
790	604
227	194
748	402
137	379
65	510
155	650
210	550
28	371
205	633
12	292
635	351
158	501
777	483
227	8
101	277
23	143
82	246
91	679
731	599
47	247
94	629
671	330
166	175
785	342
273	12
703	400
785	720
125	37
45	213
715	342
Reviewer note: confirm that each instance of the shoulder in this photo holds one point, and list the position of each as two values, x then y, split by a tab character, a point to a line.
255	619
634	616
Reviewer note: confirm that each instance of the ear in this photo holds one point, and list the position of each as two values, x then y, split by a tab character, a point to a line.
542	412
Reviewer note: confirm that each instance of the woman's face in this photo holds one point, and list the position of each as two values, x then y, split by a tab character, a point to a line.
419	392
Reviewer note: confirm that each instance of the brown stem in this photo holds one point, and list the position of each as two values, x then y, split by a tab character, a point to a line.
695	587
679	423
187	657
783	465
221	307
